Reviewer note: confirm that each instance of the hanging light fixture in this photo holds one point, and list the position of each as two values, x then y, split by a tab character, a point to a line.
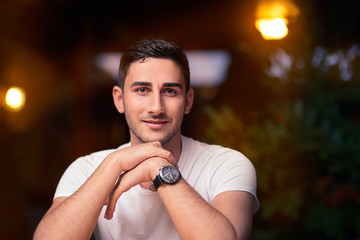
273	17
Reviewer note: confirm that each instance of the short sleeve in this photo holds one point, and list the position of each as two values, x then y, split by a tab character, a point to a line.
73	178
234	172
79	171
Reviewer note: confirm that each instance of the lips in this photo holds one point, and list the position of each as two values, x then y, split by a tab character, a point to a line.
155	123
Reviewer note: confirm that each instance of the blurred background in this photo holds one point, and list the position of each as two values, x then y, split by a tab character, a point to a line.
275	79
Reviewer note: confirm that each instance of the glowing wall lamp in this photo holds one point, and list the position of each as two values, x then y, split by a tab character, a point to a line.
15	98
273	16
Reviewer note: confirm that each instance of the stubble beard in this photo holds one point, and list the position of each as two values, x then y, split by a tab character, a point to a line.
169	136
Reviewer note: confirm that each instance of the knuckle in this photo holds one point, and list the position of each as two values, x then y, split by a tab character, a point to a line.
168	155
156	144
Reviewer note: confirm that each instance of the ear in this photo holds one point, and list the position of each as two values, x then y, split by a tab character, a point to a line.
189	100
118	99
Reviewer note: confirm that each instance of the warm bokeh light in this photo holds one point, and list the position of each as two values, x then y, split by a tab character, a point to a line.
272	28
15	98
273	16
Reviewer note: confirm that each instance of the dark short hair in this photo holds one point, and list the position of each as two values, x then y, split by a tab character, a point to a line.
156	48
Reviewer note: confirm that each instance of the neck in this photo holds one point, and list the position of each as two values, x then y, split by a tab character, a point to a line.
174	146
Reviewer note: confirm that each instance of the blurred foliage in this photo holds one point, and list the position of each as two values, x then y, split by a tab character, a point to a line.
306	150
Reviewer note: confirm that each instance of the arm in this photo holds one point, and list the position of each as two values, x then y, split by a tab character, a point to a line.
75	217
237	206
228	217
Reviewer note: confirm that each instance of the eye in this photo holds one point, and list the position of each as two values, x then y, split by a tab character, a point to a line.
170	92
142	90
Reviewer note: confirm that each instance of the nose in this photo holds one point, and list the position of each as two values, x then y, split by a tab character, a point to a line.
155	104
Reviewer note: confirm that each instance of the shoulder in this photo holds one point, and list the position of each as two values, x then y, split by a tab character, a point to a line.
213	158
88	163
216	159
213	151
79	171
219	168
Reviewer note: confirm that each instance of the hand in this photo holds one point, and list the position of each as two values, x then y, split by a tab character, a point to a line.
145	171
132	156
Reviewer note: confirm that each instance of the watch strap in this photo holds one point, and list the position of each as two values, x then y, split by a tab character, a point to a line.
158	182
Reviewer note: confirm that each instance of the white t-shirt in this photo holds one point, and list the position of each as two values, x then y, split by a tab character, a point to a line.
140	213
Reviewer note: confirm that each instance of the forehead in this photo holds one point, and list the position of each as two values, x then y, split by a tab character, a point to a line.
155	69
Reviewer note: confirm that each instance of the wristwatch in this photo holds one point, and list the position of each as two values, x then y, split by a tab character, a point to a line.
168	174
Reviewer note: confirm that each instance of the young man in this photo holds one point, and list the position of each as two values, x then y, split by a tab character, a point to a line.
160	185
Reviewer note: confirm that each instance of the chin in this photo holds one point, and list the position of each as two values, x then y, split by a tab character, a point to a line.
162	139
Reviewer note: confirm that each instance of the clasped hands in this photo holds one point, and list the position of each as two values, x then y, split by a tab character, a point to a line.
137	164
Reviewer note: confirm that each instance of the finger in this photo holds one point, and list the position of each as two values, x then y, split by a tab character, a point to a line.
139	174
110	199
131	156
156	150
126	181
171	160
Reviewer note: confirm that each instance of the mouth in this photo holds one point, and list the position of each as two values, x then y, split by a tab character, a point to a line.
155	123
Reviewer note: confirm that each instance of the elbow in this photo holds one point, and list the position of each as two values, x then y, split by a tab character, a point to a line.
227	233
244	235
38	234
240	234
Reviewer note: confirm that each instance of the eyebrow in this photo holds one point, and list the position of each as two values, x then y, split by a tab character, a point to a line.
148	84
173	85
134	84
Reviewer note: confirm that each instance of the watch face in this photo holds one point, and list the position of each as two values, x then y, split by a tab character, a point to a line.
170	174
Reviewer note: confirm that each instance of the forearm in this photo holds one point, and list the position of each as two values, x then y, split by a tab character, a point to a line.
193	217
76	216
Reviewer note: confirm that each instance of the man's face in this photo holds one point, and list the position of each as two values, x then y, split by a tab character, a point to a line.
154	100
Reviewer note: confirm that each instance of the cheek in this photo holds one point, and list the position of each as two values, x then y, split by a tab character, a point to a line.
176	108
133	104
